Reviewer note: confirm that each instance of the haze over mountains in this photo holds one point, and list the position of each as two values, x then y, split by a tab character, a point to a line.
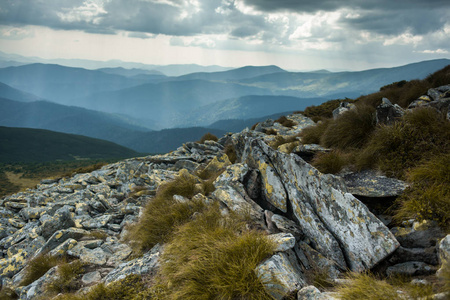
127	106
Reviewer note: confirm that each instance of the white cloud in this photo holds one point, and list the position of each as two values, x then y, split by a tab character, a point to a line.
90	12
15	33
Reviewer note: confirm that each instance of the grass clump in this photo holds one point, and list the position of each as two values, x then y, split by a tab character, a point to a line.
312	134
208	137
214	257
286	122
163	214
66	281
351	130
366	286
38	266
132	287
421	133
330	162
428	196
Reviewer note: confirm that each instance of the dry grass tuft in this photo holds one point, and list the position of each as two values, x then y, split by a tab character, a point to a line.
208	137
213	257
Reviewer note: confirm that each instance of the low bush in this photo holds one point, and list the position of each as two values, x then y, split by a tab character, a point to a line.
163	214
208	137
270	131
312	134
324	110
214	257
351	130
330	162
281	140
420	134
428	197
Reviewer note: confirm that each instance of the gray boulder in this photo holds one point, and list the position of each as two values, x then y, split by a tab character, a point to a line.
411	268
388	113
367	183
337	223
279	276
147	264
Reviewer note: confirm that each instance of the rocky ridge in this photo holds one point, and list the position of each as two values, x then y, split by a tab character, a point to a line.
315	219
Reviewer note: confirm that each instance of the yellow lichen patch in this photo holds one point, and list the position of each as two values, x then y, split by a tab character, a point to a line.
262	167
59	235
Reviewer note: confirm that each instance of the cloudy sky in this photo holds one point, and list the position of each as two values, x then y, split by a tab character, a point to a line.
294	34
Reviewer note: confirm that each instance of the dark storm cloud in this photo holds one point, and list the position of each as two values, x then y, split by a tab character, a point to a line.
190	18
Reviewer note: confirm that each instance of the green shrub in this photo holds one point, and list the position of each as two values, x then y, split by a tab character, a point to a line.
312	134
38	266
214	257
163	214
351	130
428	197
208	137
420	134
330	162
286	122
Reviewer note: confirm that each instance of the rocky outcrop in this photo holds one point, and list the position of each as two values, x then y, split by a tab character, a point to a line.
387	113
343	229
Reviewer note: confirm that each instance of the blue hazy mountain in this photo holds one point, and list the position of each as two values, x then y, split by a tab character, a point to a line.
246	107
61	84
165	102
68	119
11	93
235	74
326	84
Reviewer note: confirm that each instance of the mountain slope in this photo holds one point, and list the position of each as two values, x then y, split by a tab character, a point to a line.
36	145
11	93
60	84
67	119
246	107
313	84
167	139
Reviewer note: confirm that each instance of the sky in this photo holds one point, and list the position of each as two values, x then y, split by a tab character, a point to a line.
293	34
